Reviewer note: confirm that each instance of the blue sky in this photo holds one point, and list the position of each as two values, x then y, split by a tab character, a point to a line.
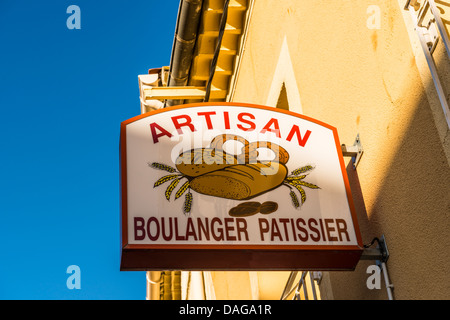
63	96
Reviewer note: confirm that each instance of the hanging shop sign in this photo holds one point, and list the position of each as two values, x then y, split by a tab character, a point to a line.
226	186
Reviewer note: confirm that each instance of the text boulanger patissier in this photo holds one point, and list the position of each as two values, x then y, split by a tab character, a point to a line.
172	229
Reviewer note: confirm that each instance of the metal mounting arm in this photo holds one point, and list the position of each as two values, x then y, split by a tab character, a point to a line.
355	151
380	254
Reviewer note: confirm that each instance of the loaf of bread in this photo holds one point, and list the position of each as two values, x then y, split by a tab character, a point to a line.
196	162
241	182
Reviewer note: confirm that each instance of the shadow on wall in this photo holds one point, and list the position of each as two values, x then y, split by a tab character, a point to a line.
412	209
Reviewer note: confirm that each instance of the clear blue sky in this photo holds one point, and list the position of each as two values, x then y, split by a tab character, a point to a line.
63	95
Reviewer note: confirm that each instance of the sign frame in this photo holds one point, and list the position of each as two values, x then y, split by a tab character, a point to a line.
147	257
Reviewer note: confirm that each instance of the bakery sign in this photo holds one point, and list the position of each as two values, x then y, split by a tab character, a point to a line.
226	186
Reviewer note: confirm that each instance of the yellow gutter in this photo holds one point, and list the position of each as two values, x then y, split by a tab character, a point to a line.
230	47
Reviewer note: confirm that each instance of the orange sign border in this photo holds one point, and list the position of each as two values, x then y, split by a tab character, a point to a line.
234	257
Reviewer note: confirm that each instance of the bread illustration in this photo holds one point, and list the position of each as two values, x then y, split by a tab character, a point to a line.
196	162
250	208
239	181
249	152
214	172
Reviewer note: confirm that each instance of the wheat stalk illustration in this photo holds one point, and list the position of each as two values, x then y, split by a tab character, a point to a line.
295	182
175	178
187	203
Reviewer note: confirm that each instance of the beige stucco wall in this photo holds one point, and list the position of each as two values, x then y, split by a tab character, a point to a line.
365	81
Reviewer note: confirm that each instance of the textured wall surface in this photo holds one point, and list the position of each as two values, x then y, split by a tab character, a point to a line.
365	80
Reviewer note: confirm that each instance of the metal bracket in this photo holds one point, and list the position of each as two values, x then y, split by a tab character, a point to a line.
355	151
426	26
380	253
317	275
381	256
435	19
429	28
431	35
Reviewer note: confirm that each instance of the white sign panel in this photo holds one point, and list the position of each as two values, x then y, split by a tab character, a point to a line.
218	177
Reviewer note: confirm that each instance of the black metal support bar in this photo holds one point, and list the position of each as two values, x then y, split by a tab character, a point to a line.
380	253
